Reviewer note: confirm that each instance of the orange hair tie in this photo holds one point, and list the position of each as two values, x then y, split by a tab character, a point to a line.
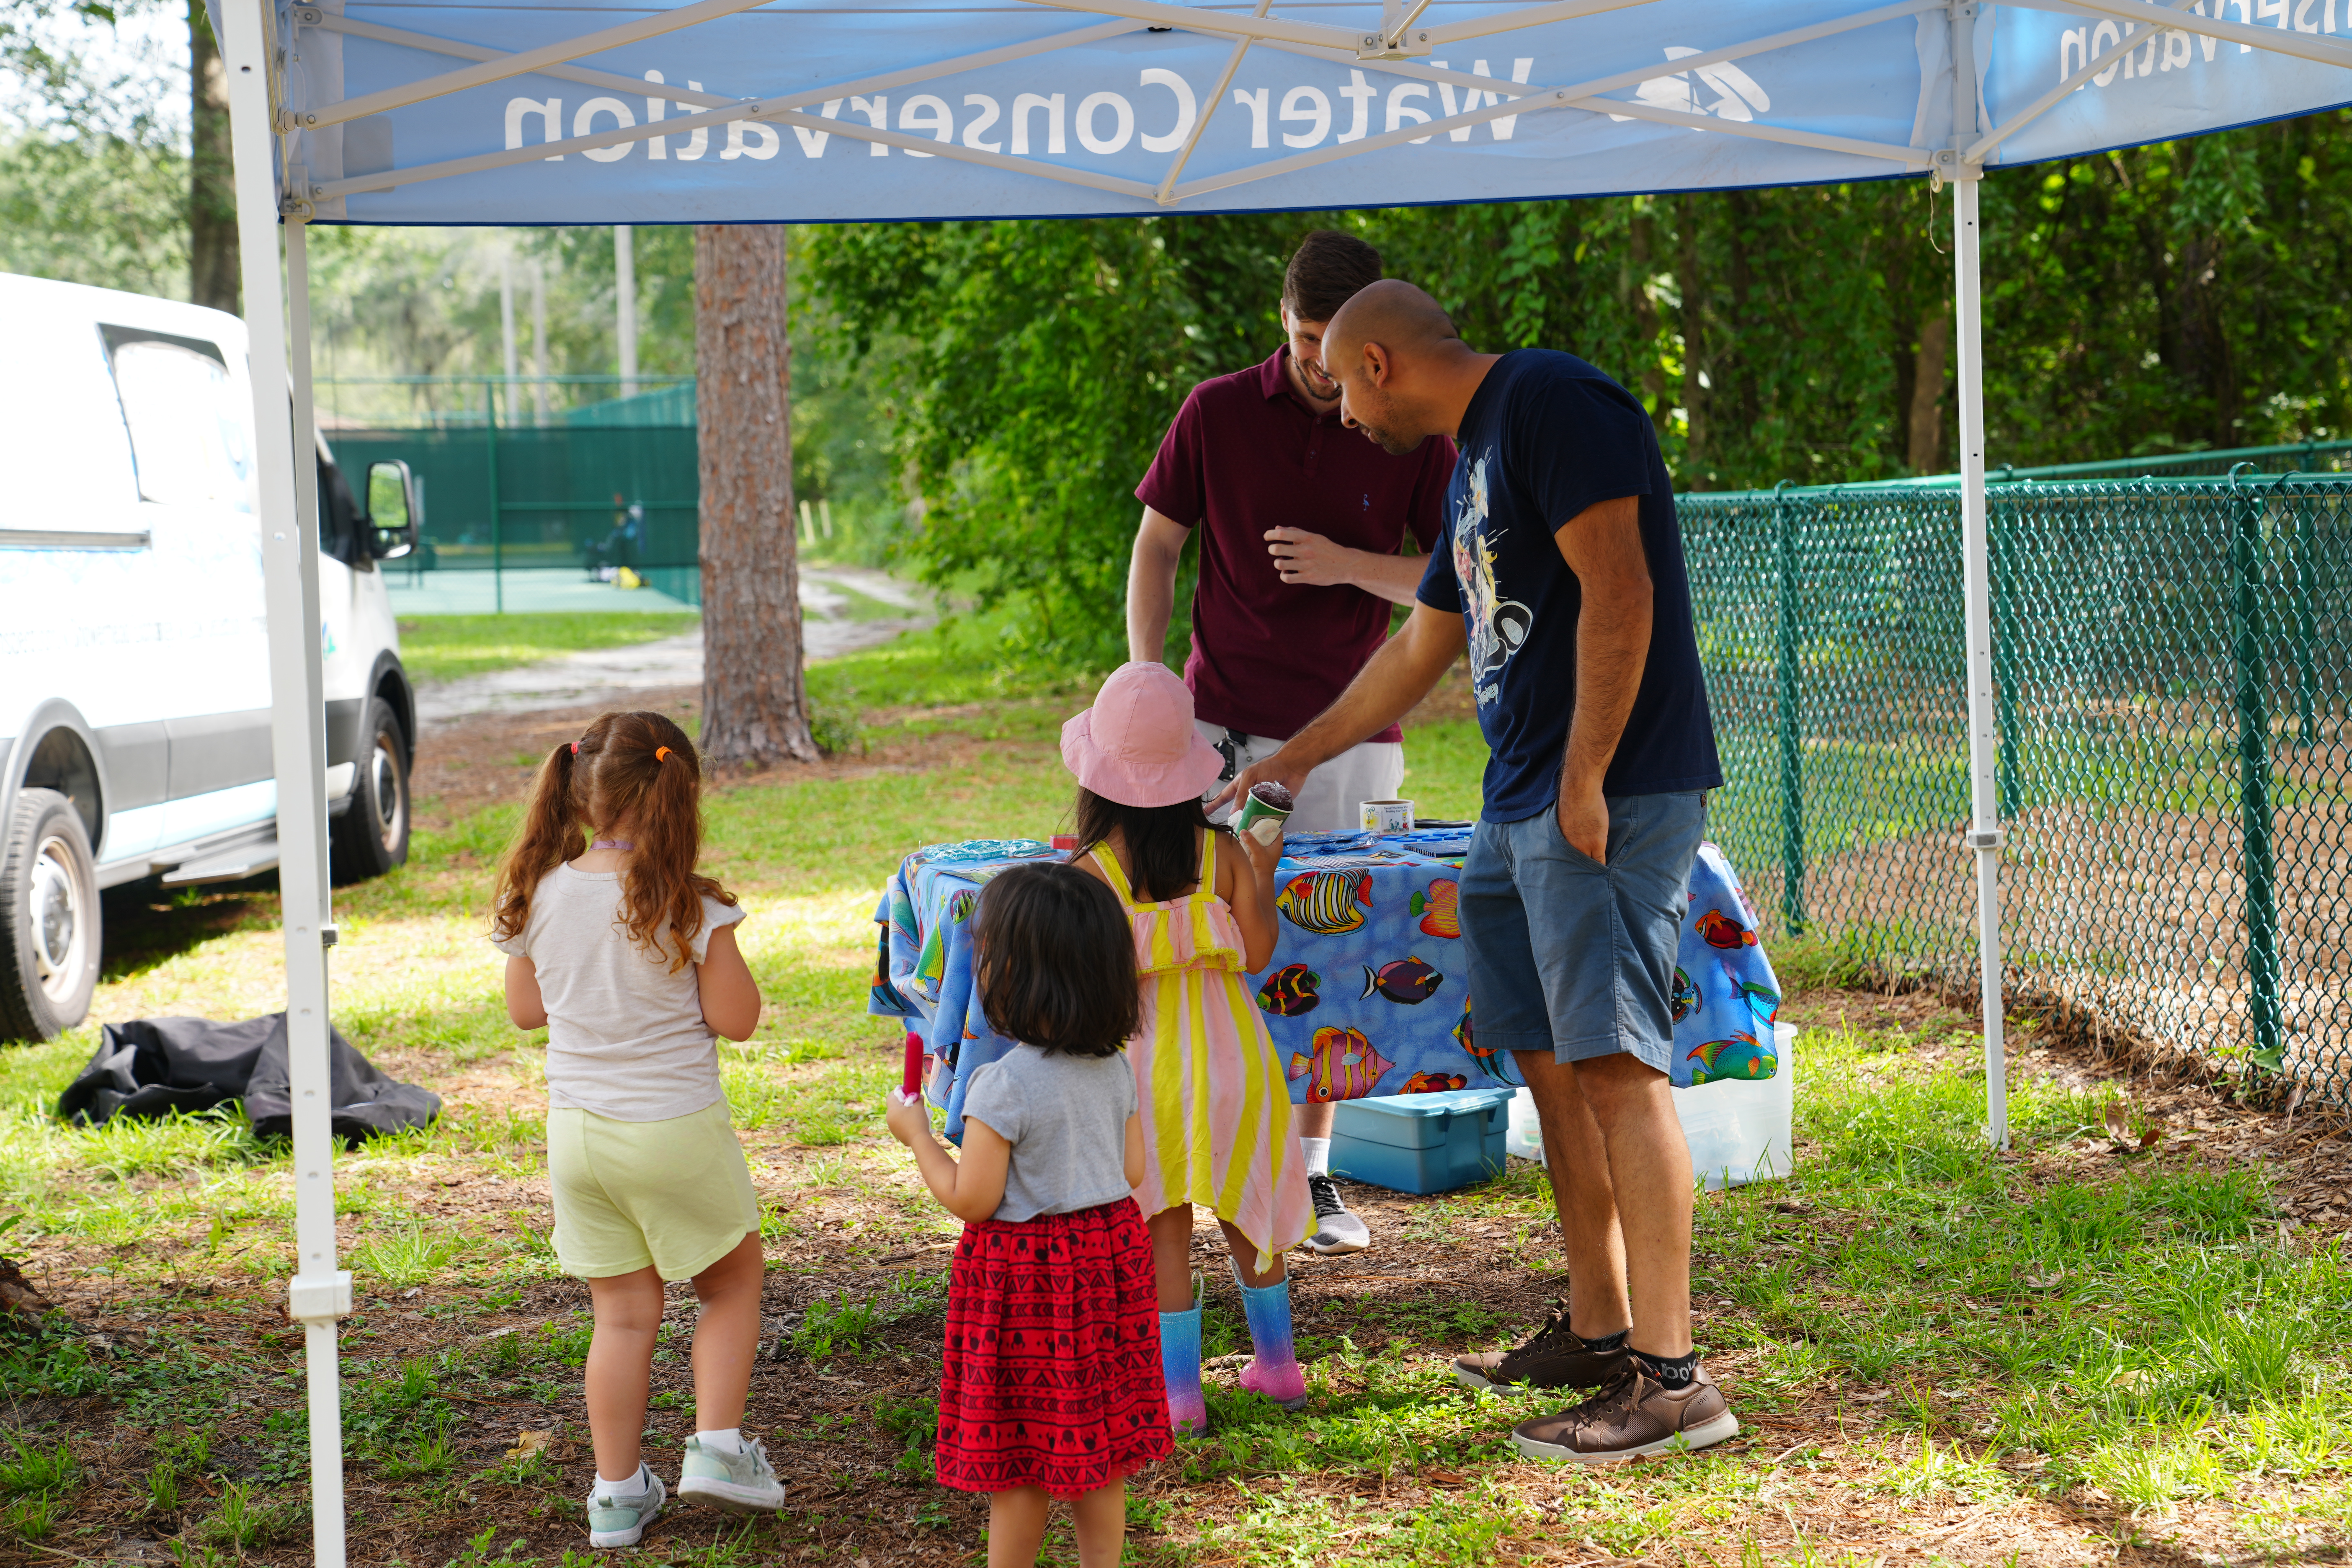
661	753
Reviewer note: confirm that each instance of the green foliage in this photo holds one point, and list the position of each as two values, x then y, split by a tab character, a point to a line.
2166	297
33	1465
1034	367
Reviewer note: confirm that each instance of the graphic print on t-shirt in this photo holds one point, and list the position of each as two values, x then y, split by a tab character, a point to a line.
1497	625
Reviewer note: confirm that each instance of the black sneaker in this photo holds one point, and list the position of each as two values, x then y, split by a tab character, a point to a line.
1336	1229
1555	1358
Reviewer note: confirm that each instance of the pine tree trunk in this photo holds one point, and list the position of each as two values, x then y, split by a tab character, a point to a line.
212	191
754	694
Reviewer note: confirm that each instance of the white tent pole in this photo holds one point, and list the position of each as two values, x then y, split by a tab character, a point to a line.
320	1293
505	316
287	482
625	300
1967	309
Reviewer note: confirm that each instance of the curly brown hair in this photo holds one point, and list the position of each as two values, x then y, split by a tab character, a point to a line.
638	768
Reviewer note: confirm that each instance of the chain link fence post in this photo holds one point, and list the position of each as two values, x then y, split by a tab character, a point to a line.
2254	768
2305	562
1791	717
490	462
2007	646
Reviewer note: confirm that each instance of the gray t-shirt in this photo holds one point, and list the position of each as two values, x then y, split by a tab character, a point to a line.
1065	1118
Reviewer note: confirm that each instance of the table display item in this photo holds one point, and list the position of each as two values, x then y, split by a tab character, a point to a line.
1264	813
1738	1130
1387	815
1366	994
1423	1143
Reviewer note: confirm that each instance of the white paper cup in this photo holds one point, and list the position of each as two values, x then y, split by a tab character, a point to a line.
1387	815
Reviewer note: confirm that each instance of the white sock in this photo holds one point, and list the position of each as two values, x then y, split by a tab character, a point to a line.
636	1486
729	1441
1318	1155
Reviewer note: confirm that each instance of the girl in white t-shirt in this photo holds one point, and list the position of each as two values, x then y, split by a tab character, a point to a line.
626	956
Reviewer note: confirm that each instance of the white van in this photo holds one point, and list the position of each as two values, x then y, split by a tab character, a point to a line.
134	668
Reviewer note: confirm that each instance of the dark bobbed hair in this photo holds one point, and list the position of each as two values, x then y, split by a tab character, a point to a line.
1325	272
1162	842
1056	961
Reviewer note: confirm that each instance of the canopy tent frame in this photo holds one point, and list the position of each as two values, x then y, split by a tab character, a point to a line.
276	194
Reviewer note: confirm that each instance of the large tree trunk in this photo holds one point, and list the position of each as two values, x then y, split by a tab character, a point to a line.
754	695
1924	452
212	191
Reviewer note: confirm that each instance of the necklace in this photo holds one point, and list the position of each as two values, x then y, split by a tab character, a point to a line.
612	843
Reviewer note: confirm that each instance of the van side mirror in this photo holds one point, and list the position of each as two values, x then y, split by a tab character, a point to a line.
392	509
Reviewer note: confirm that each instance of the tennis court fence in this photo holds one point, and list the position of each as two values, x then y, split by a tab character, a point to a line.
2170	670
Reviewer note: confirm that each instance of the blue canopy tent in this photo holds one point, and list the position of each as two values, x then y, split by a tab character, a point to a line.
563	112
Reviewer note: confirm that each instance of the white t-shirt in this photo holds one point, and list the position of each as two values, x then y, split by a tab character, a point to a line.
625	1034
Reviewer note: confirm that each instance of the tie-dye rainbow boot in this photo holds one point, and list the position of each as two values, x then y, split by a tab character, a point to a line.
1274	1368
1180	1367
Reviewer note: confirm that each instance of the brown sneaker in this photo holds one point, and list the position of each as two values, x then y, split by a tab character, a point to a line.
1633	1416
1555	1358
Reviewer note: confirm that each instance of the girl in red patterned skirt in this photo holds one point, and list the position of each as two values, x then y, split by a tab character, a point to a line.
1051	1384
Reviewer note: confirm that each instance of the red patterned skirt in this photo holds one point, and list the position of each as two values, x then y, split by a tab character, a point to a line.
1052	1374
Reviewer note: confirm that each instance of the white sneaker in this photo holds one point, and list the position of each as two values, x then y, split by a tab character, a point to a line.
740	1483
1336	1230
622	1521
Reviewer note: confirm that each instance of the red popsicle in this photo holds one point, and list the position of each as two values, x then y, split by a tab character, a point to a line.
911	1081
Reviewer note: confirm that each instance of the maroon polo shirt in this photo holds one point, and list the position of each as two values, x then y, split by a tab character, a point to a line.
1246	454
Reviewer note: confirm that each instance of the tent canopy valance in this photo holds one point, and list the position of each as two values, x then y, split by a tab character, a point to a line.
554	111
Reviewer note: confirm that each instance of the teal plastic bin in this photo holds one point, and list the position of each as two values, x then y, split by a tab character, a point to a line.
1422	1143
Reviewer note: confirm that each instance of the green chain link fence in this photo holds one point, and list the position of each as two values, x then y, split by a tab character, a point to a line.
2169	664
595	482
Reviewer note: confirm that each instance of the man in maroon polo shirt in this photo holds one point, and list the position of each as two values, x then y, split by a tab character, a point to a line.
1301	524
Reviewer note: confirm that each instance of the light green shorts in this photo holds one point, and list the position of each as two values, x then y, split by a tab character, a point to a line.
674	1195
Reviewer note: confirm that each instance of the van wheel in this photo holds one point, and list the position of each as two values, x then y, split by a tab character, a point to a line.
49	920
372	835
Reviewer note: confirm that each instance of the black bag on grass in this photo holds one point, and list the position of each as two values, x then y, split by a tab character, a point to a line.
153	1066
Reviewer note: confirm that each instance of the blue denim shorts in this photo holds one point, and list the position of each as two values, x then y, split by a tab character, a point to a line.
1572	956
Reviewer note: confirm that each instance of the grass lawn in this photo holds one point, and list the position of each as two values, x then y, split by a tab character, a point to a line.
444	648
2064	1353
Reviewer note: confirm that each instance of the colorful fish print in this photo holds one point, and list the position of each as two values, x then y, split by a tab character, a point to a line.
1343	1067
960	907
1407	980
1290	991
1765	1002
1483	1055
1328	903
1440	908
1721	930
1435	1082
1739	1057
1686	997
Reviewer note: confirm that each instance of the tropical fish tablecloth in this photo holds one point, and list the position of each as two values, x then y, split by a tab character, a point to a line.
1366	994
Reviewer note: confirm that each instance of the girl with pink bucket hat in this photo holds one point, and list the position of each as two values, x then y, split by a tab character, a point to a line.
1215	1105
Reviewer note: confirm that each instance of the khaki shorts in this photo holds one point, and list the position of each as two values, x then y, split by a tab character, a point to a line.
673	1195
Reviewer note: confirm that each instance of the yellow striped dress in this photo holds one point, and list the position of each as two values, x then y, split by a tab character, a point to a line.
1216	1108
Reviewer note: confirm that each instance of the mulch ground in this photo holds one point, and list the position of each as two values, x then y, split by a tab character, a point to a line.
1393	1302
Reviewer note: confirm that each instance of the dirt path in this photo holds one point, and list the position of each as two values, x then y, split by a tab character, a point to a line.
600	677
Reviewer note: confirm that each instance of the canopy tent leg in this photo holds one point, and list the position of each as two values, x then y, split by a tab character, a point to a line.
286	463
1984	791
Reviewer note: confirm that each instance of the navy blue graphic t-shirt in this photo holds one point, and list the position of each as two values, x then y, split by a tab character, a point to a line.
1545	436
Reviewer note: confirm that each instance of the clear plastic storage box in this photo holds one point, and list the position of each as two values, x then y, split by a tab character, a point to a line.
1738	1131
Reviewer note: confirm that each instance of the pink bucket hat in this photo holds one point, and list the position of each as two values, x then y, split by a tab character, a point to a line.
1137	744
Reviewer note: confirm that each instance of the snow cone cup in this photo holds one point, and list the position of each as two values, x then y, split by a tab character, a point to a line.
1264	813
